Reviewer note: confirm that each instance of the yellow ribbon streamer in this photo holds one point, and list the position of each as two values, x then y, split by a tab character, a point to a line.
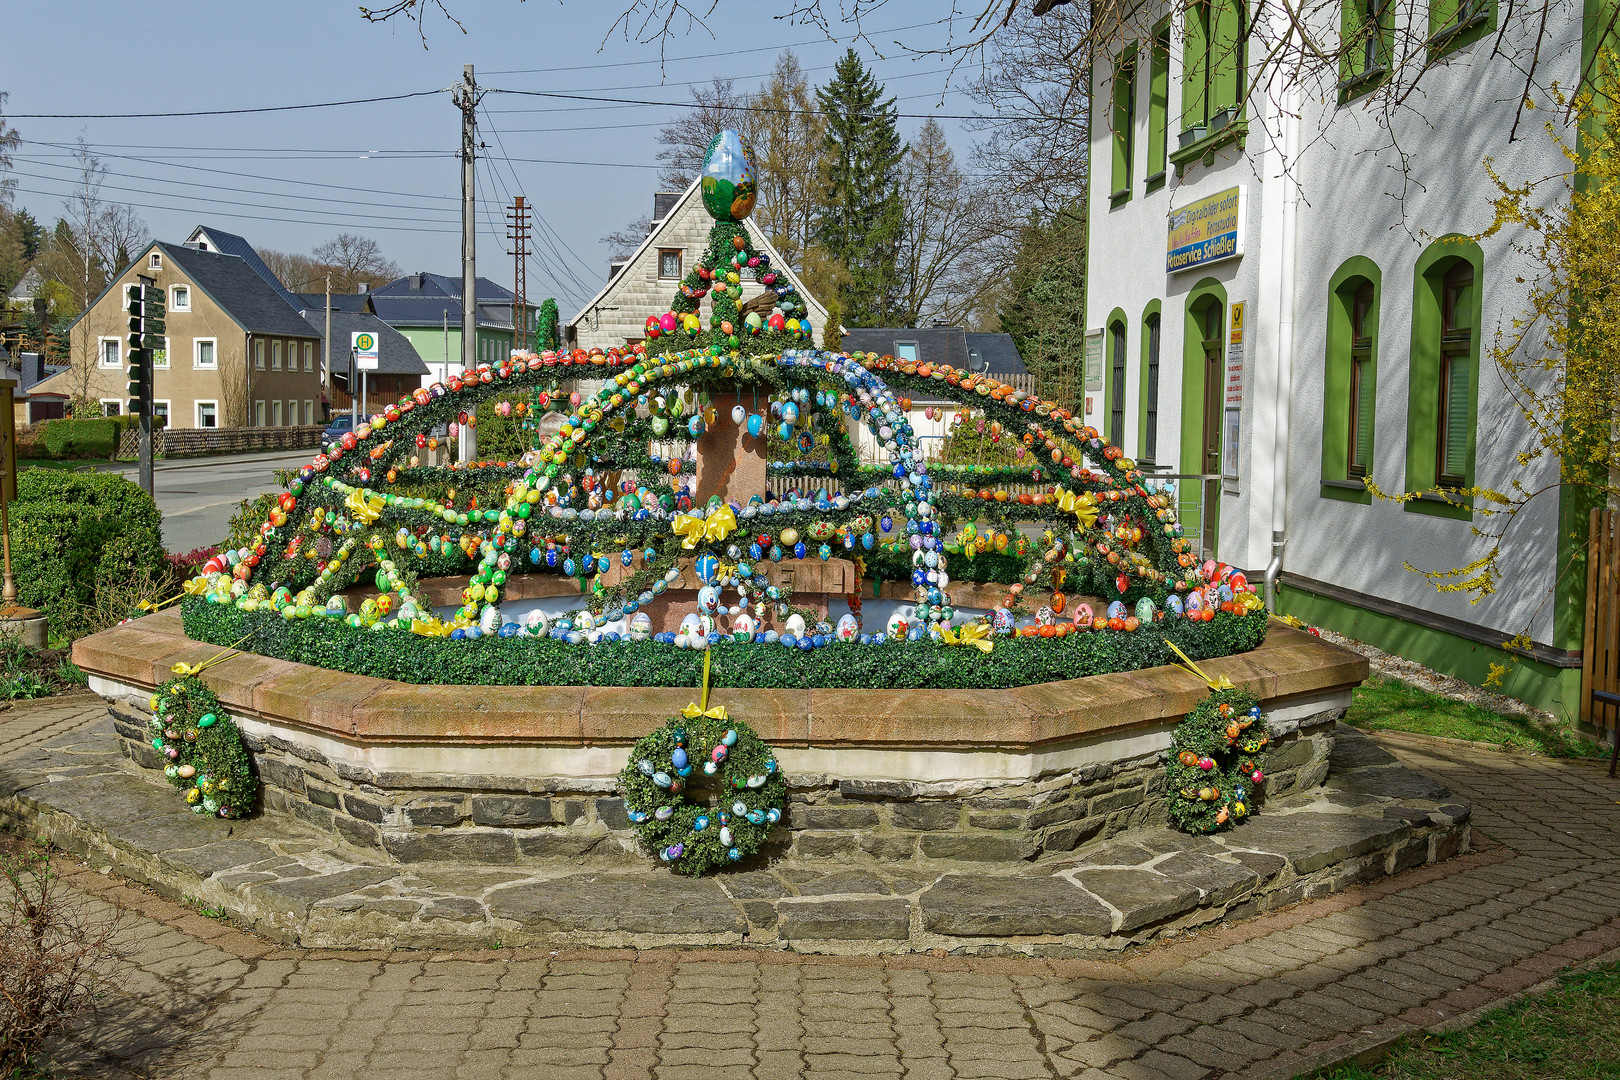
693	711
365	510
183	668
1219	682
159	605
976	634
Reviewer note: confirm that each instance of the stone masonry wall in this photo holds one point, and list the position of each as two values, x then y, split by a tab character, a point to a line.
425	818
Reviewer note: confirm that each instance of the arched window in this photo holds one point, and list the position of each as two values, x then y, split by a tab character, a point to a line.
1116	383
1444	382
1350	380
1150	389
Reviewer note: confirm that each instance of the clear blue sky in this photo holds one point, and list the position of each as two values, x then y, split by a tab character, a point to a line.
390	166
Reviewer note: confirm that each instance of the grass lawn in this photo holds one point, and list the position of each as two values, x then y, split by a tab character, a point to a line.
1571	1033
1384	704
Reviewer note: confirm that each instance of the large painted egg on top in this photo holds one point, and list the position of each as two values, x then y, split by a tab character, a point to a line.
728	177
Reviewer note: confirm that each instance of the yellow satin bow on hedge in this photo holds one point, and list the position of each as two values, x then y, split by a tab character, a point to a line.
196	586
693	711
1219	682
1081	506
976	634
365	510
430	628
691	528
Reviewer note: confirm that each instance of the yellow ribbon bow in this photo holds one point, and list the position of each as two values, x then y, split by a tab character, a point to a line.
976	634
429	628
365	510
1081	506
196	586
691	528
1219	682
694	710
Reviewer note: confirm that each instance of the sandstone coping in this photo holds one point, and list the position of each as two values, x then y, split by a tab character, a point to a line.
922	734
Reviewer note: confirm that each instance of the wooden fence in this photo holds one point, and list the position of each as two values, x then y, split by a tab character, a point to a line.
184	442
1600	654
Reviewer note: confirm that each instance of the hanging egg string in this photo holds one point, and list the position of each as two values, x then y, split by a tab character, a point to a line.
702	746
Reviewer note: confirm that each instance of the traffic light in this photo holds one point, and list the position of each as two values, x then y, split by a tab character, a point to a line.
144	306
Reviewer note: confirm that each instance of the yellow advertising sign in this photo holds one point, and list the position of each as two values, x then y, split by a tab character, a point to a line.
1207	231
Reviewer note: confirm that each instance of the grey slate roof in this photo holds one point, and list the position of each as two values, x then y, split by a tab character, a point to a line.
240	290
316	301
942	345
395	354
231	244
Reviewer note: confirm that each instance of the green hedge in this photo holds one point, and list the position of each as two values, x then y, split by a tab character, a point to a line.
519	661
74	534
96	438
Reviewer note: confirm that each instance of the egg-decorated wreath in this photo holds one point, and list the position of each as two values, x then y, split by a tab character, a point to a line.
734	773
203	752
1216	764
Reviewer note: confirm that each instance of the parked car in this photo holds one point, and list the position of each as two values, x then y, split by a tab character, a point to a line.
340	426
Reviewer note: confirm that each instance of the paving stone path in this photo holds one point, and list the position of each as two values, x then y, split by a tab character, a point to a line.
1264	997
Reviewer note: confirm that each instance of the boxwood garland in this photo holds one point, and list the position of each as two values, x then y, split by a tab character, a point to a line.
206	758
745	789
523	661
1216	763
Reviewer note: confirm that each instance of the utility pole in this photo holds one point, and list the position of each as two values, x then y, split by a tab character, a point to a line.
466	100
326	362
517	230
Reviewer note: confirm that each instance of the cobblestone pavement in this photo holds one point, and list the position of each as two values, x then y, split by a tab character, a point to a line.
1263	997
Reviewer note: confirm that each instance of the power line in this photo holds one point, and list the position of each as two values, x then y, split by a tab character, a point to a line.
254	217
222	112
778	109
540	219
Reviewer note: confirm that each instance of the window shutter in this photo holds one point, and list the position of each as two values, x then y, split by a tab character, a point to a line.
1364	416
1194	61
1456	405
1226	56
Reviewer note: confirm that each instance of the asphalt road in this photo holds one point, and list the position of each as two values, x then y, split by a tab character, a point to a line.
197	496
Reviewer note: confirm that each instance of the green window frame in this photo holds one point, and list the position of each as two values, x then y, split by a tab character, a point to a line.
1443	406
1350	379
1158	128
1456	24
1367	30
1122	121
1214	77
1116	381
1151	382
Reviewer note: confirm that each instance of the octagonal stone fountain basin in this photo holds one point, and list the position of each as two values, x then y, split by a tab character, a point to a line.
509	774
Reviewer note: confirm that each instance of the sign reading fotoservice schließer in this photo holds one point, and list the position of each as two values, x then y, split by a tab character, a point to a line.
1206	231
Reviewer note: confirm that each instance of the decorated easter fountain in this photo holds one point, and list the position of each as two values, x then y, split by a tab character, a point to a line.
689	603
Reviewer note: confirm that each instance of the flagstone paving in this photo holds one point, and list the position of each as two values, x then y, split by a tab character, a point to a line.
1261	997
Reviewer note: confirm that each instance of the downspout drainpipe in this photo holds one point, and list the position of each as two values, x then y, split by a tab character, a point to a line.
1285	346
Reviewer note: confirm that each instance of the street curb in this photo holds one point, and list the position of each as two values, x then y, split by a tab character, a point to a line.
1372	1047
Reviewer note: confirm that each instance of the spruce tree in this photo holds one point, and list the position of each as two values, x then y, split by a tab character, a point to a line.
1044	307
861	212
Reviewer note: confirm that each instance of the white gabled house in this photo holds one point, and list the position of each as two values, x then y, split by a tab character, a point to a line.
646	283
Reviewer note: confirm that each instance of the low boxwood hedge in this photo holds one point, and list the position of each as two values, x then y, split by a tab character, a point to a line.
907	665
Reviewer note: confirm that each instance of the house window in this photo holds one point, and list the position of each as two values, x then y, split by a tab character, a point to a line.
1158	133
154	261
1363	320
1366	27
258	413
258	355
160	357
160	411
207	414
1123	122
112	407
309	411
1212	78
905	350
1150	421
309	356
110	350
1116	384
275	356
205	353
275	413
180	298
1455	430
669	262
1456	23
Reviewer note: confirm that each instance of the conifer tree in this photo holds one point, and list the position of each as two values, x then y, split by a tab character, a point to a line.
861	213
